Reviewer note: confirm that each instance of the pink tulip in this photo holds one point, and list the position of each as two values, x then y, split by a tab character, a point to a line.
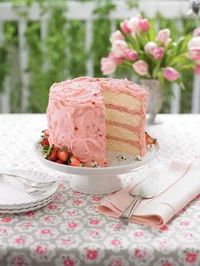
108	66
117	60
196	32
117	35
163	37
119	47
140	67
124	27
153	49
149	47
171	74
131	54
197	69
133	23
158	53
194	48
143	25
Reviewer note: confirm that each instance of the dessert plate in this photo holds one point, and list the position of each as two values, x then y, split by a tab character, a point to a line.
32	207
13	196
100	180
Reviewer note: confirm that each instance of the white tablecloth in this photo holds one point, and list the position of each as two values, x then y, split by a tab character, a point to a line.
70	232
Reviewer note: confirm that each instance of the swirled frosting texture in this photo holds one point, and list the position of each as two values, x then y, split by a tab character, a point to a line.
76	115
76	118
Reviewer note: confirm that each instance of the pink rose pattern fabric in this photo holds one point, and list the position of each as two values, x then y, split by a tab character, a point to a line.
70	232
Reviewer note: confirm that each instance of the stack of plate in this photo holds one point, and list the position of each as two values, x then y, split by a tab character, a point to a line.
13	197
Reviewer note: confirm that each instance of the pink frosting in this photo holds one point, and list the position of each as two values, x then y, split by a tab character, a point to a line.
76	116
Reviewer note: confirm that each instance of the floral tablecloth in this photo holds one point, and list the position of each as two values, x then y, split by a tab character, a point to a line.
70	232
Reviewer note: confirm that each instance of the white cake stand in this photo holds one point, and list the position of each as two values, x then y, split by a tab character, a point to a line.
100	180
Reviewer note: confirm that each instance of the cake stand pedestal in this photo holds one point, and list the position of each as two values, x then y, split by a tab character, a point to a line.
97	184
100	180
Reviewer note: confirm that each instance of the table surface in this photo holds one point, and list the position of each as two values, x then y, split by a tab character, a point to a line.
69	231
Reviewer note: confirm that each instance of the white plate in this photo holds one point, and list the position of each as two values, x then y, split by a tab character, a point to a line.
13	196
100	180
28	208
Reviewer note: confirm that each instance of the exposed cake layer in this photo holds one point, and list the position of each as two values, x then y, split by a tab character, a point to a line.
121	99
122	147
125	114
123	117
115	131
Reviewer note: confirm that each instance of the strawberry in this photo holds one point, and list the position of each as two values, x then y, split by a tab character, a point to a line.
59	161
53	155
44	142
149	139
45	132
62	154
74	161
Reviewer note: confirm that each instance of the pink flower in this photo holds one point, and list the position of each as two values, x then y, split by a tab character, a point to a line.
116	59
158	53
115	242
171	74
108	66
131	54
196	32
92	254
143	25
94	221
149	47
52	206
117	35
72	225
140	253
194	48
141	68
20	240
191	257
6	219
133	23
119	47
124	27
139	234
45	231
68	262
41	250
197	69
163	37
116	262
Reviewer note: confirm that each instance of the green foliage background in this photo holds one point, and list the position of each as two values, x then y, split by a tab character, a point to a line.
62	53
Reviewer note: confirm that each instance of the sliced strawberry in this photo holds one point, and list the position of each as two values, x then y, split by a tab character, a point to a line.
45	132
74	161
62	154
44	142
149	139
59	161
53	156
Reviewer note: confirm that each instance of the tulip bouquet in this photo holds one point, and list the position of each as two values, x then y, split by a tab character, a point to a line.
194	49
151	54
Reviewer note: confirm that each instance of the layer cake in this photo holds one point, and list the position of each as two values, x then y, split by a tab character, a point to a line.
92	116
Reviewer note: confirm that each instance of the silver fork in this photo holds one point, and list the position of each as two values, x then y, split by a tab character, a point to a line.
29	182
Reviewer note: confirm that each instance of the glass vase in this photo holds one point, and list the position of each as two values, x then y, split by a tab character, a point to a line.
155	100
